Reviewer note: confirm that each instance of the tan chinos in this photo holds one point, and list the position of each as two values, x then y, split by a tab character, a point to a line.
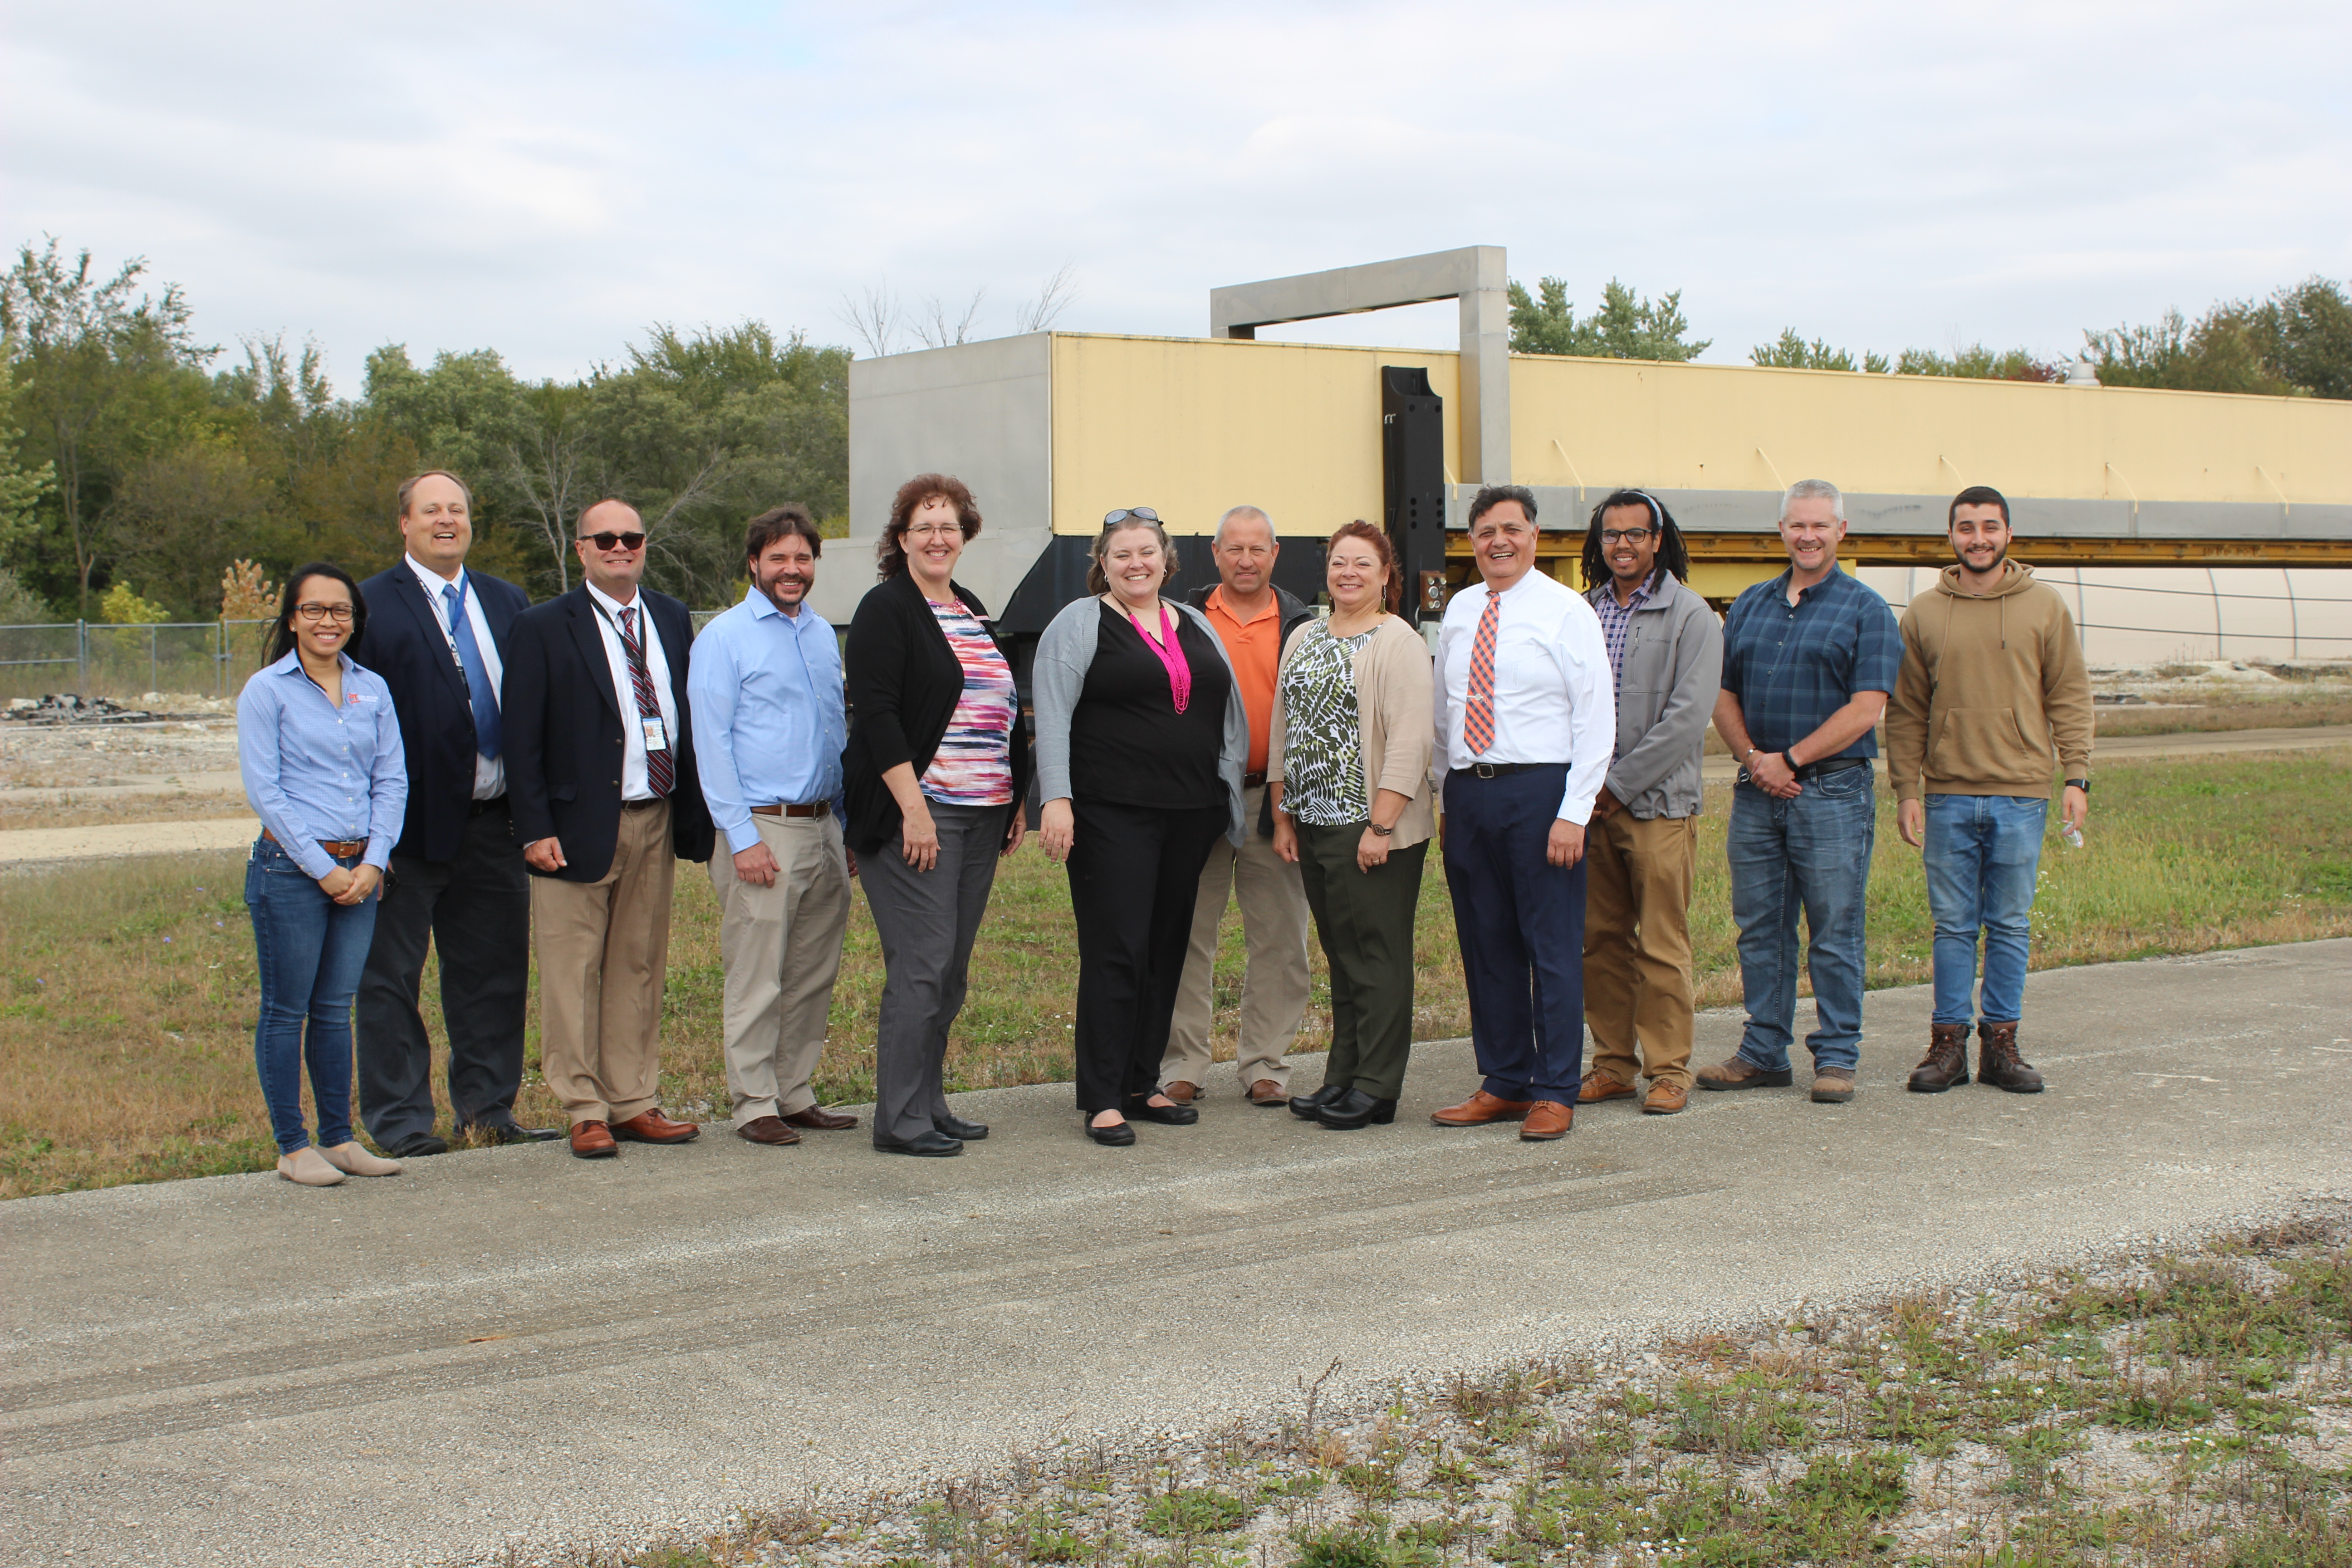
780	945
1276	982
1637	948
603	952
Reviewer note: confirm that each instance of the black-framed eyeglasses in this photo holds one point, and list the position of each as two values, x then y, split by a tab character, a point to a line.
317	612
1630	535
632	540
1130	514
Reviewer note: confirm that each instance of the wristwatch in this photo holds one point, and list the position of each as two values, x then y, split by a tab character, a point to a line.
1383	832
2083	785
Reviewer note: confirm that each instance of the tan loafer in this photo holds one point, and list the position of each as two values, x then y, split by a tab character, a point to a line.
353	1161
306	1167
1664	1099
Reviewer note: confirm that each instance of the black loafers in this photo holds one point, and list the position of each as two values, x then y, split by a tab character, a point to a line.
1170	1115
419	1146
934	1144
957	1128
1309	1106
1355	1108
1117	1136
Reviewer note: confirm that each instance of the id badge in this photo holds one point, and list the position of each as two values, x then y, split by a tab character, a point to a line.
657	738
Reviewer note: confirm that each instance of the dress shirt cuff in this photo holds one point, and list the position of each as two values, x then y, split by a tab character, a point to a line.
315	863
740	835
379	853
1576	808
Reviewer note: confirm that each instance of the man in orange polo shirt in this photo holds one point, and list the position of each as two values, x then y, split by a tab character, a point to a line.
1252	618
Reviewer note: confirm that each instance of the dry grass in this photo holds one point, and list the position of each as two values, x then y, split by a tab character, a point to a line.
71	808
2295	710
127	991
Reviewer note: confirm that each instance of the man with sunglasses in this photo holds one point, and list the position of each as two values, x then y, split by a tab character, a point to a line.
1666	656
437	634
600	747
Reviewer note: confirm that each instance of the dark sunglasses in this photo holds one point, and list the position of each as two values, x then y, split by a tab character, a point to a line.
606	541
1130	513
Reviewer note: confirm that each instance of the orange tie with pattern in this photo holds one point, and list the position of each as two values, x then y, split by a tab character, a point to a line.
1478	713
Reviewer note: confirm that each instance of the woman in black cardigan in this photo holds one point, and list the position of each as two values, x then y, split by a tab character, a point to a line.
936	771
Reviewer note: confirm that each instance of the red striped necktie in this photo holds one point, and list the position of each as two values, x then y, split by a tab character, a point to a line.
661	773
1478	713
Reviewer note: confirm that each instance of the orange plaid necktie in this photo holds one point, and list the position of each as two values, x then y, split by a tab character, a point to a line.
1478	713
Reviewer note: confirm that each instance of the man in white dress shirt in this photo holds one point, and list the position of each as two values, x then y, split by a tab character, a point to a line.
1527	720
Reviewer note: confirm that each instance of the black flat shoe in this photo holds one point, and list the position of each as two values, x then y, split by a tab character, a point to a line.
935	1144
421	1146
515	1132
1309	1106
956	1127
1355	1108
1170	1115
1119	1135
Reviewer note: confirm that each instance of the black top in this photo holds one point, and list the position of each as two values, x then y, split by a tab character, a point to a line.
904	682
1127	743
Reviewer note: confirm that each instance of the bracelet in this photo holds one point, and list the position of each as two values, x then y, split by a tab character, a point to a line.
1751	756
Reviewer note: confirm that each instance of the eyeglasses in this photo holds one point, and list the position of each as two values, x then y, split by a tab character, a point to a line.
1130	514
606	541
1630	535
937	530
316	612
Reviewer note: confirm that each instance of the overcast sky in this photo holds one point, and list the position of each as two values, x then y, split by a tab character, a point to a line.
547	179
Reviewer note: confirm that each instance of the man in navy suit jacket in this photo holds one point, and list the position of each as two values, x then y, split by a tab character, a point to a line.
606	803
437	634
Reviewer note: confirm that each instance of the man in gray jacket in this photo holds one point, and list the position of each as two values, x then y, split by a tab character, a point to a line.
1665	650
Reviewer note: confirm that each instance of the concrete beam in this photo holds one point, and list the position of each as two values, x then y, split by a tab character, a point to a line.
1477	274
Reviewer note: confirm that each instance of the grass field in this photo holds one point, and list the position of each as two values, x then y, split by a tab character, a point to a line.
127	992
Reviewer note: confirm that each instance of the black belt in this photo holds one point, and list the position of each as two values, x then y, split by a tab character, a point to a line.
1498	770
476	807
644	804
1253	780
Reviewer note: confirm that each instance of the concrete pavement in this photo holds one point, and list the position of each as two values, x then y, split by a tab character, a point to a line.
514	1343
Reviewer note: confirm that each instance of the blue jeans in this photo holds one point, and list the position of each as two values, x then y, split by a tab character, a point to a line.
1983	854
1812	854
309	951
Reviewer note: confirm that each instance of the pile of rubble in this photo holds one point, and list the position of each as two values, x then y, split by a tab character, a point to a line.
67	708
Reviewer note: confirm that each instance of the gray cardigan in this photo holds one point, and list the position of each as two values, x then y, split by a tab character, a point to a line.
1667	687
1058	674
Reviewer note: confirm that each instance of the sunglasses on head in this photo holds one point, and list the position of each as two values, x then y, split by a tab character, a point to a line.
1130	513
630	540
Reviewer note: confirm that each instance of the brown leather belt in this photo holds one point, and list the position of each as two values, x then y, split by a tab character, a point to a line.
1253	780
814	808
341	848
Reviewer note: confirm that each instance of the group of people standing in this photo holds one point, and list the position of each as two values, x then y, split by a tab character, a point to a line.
496	775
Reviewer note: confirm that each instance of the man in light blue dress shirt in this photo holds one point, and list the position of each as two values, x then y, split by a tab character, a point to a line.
769	725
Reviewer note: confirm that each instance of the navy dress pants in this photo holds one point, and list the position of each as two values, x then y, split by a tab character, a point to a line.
1521	922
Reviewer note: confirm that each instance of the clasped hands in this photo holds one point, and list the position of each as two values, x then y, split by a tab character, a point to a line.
349	885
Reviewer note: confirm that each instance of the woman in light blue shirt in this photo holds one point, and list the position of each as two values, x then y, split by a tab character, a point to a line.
319	746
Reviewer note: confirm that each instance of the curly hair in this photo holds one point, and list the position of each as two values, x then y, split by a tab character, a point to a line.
1097	580
1672	554
890	553
1392	595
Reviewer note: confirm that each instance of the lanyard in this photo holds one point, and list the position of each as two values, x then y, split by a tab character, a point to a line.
450	624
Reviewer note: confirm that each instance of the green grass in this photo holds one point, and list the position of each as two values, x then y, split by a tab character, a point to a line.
127	992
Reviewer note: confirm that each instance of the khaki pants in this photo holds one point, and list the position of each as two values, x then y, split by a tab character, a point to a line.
1637	949
604	952
782	948
1275	985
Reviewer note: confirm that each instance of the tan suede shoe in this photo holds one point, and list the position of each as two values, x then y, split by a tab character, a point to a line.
353	1161
308	1167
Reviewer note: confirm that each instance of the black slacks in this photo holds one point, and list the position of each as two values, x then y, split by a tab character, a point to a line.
1365	922
1135	874
475	912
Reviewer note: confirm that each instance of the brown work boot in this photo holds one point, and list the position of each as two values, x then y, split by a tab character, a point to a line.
1741	1073
1946	1064
1599	1085
1182	1093
1481	1108
1664	1099
1832	1086
1547	1119
1997	1063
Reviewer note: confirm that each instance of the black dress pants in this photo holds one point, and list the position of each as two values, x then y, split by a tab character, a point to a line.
1135	874
476	910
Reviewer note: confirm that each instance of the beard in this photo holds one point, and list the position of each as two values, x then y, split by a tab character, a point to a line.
773	588
1999	556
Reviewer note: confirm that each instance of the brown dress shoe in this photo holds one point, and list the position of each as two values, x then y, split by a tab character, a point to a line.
1599	1085
1182	1093
1547	1119
1664	1099
1997	1064
592	1141
1946	1064
1479	1110
1741	1073
1266	1092
767	1130
653	1127
823	1121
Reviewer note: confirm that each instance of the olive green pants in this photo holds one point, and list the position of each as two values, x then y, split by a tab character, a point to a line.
1364	919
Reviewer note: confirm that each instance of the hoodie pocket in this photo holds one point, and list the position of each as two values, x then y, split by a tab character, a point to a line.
1985	745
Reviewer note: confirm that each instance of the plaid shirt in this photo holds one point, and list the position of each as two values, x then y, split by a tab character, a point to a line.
1616	620
1793	666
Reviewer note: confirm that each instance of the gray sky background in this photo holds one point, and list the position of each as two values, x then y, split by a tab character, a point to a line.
548	179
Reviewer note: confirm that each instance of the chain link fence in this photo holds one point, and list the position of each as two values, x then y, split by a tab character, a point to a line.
200	659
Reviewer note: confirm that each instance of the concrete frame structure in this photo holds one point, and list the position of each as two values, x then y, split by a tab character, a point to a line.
1477	275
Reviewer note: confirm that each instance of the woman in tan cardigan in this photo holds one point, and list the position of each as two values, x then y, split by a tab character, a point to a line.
1348	771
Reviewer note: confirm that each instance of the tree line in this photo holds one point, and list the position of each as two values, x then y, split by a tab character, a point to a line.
145	475
2296	342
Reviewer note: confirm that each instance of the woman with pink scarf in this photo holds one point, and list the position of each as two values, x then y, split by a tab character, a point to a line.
1141	744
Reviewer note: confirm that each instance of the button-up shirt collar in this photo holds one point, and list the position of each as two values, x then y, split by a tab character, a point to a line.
769	718
317	772
490	772
1553	699
634	785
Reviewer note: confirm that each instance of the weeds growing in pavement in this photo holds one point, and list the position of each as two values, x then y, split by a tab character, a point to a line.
2190	1409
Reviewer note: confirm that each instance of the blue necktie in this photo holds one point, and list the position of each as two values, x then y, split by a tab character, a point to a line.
487	736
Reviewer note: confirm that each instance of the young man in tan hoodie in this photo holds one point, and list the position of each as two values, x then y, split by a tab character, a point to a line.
1992	685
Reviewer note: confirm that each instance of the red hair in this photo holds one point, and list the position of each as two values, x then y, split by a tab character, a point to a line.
1378	539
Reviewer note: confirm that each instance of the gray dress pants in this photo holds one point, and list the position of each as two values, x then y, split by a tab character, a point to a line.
926	920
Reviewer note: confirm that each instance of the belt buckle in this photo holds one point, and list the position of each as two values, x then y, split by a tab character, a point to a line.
1483	769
